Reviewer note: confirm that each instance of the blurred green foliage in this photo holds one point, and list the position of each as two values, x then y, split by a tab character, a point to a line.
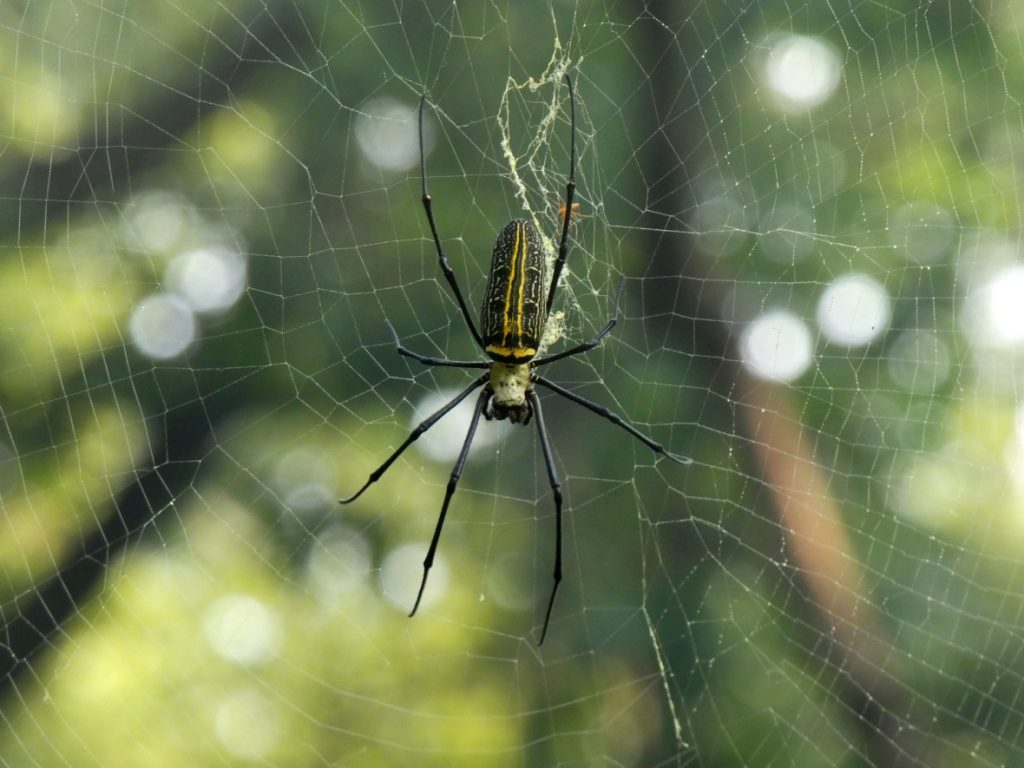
248	618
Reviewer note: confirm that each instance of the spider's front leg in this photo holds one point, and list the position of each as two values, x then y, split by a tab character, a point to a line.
442	260
422	427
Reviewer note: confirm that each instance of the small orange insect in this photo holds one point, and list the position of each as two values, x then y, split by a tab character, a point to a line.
575	211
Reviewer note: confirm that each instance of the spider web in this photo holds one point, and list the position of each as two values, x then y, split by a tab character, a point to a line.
211	215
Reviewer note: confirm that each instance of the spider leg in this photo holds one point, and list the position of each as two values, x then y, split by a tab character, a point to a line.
614	418
584	347
557	493
449	275
428	562
570	189
423	426
426	360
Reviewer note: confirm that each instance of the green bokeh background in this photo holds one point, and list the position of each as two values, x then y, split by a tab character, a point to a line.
134	131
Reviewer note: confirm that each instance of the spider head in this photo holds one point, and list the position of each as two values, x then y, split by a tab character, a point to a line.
517	414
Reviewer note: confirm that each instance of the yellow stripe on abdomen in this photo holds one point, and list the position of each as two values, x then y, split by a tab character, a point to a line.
506	325
520	308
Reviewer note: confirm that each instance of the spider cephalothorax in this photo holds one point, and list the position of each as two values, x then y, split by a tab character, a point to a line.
509	386
516	306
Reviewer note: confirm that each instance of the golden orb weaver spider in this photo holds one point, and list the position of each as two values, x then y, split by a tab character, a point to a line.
512	322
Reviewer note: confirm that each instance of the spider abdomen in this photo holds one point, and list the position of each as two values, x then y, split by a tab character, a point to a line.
513	313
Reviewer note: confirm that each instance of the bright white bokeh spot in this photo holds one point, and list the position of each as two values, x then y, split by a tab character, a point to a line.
854	310
387	134
162	326
443	442
242	629
919	361
998	315
401	574
155	222
801	71
208	279
777	346
246	724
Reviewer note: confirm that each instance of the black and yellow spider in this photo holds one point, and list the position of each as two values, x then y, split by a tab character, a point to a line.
512	321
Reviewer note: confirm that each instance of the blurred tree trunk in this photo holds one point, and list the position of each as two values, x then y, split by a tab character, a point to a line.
766	418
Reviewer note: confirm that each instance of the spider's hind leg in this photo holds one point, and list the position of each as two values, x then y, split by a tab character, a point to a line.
453	481
556	492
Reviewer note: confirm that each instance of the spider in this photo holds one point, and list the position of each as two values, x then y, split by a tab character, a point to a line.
512	321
